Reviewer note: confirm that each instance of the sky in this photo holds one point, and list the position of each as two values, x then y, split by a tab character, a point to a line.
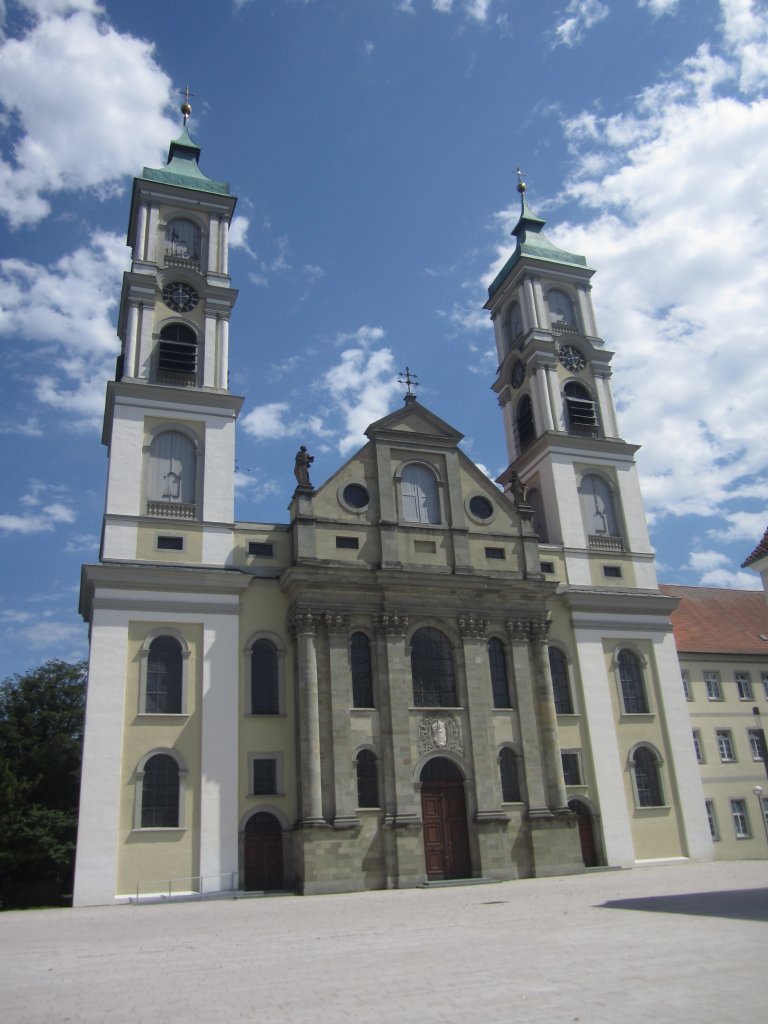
372	145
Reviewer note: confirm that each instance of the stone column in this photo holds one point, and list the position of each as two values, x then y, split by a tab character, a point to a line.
528	307
213	245
140	242
342	766
304	624
542	394
223	381
519	636
131	337
545	698
555	398
152	239
224	246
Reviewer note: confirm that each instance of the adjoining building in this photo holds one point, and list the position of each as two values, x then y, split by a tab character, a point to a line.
421	676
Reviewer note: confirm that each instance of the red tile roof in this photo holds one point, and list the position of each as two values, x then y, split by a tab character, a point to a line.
760	552
712	620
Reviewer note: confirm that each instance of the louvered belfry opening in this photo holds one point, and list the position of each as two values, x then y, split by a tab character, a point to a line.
177	356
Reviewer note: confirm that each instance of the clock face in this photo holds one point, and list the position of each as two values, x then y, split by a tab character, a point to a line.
180	297
518	375
572	359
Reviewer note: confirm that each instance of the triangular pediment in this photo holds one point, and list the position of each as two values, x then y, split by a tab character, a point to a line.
415	423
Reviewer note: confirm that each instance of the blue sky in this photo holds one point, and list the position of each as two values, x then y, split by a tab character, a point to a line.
372	144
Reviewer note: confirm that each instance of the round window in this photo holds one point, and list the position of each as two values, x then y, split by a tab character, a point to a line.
355	495
480	507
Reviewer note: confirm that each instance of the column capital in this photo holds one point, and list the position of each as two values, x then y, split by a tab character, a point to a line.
335	622
305	621
472	628
391	624
540	630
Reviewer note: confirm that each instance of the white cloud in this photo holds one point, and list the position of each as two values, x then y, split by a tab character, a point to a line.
746	34
659	7
69	60
238	235
44	521
580	17
736	580
266	421
478	9
443	6
742	526
704	561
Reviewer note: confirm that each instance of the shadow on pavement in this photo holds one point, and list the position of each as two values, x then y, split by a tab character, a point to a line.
740	904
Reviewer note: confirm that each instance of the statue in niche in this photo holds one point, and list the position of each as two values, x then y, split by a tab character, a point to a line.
301	469
518	488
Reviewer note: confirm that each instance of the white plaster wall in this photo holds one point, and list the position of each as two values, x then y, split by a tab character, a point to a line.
97	838
219	479
125	461
120	539
220	751
632	505
218	546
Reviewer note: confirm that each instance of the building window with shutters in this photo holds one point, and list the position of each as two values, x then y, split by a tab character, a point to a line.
419	494
172	476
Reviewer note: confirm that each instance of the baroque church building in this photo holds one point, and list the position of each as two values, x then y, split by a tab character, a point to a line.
421	676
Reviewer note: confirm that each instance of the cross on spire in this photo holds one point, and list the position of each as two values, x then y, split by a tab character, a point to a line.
410	381
520	179
186	106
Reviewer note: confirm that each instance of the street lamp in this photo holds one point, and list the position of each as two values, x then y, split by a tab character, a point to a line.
758	791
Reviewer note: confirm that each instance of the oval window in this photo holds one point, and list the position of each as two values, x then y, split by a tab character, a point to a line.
480	507
355	495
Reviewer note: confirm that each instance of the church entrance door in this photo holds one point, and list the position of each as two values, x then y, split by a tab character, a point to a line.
444	820
263	852
586	833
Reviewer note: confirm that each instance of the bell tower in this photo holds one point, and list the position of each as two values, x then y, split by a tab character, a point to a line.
169	421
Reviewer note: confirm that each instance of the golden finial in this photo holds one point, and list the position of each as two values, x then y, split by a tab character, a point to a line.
520	180
186	106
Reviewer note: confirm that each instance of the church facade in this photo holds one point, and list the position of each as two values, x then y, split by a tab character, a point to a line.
421	676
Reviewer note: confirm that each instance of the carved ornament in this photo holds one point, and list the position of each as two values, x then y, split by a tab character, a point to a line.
439	732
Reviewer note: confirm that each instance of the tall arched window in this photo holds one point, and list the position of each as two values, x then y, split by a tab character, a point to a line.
177	356
367	781
182	240
560	308
647	781
597	507
526	430
580	410
160	793
499	680
362	674
633	695
265	683
172	470
418	488
558	667
164	675
510	776
432	669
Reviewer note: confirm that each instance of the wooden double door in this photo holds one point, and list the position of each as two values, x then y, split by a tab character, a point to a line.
263	853
446	836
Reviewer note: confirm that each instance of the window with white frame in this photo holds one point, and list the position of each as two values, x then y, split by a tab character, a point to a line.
163	672
686	678
712	683
756	743
633	695
571	767
712	819
725	744
171	474
419	494
740	819
697	746
646	776
743	685
159	792
599	510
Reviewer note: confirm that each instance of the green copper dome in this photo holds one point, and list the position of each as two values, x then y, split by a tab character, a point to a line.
182	168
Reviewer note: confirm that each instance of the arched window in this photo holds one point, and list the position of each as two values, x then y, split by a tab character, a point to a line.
646	775
510	776
499	680
171	481
558	666
418	488
182	240
598	508
539	521
560	308
526	430
265	683
177	356
633	695
164	675
367	781
362	674
432	669
580	410
160	793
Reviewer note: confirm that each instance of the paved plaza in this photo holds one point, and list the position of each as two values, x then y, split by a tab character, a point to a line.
660	943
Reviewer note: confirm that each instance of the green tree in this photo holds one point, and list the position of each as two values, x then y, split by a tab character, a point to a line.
41	742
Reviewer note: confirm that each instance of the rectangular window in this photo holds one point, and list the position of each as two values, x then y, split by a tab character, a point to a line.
352	543
425	547
612	571
495	553
764	681
549	568
264	776
740	819
697	746
261	548
687	691
571	768
756	743
725	744
710	805
170	543
712	681
743	685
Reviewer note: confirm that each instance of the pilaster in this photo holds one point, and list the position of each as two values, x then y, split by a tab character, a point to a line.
342	767
303	625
